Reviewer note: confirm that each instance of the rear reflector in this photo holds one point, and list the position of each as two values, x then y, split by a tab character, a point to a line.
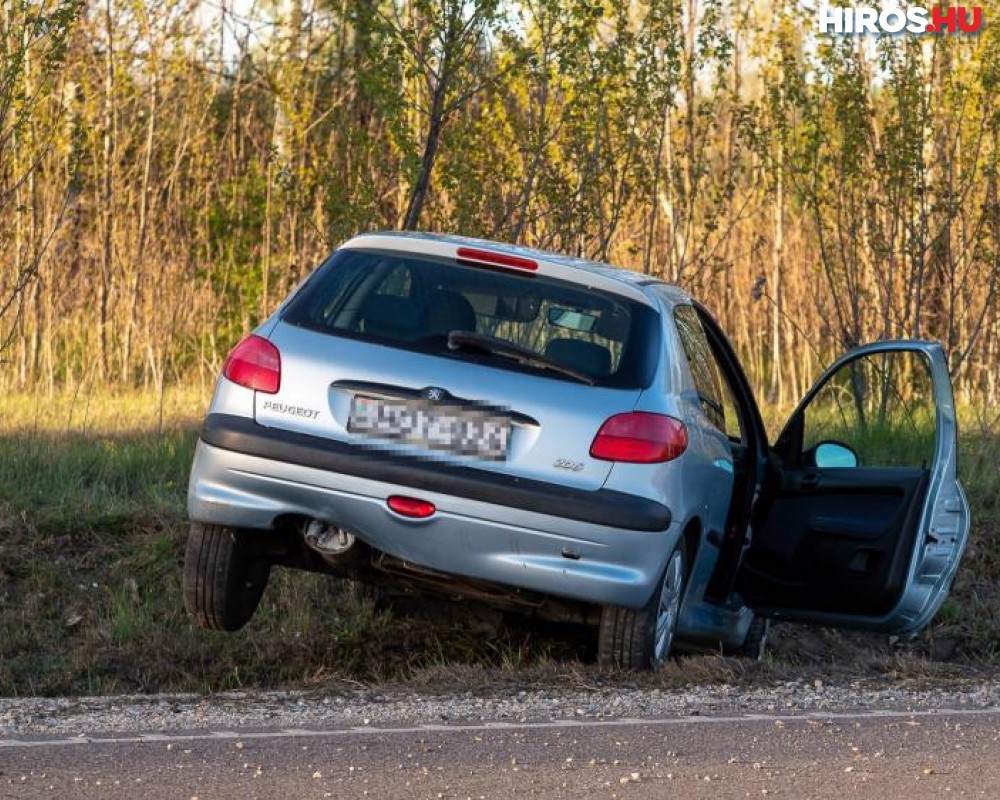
474	256
640	438
256	364
410	506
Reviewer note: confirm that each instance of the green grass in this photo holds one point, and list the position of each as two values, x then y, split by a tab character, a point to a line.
78	481
970	617
92	533
91	602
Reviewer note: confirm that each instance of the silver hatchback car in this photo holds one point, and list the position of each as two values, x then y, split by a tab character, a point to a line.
566	439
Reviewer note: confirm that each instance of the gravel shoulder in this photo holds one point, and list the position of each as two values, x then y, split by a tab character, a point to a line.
343	707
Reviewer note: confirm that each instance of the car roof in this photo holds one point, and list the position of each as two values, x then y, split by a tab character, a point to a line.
625	281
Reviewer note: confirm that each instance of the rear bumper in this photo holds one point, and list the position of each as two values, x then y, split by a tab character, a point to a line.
495	529
601	507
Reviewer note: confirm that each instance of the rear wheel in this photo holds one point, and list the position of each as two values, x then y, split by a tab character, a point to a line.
223	578
643	638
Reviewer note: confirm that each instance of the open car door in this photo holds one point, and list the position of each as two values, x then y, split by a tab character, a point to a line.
862	521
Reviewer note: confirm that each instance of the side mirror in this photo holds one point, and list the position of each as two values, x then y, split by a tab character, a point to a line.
834	454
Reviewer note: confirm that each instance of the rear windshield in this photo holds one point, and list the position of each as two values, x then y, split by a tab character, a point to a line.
414	302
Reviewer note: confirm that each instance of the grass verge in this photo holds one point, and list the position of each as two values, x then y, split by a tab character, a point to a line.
92	534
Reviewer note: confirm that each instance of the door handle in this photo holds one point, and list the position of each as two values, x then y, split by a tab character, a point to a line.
809	482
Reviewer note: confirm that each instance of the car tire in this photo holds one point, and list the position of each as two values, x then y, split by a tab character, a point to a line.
223	579
754	643
643	638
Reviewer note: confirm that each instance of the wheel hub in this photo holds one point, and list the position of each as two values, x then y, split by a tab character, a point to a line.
668	608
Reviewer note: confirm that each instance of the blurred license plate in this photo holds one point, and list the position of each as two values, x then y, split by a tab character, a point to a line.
454	429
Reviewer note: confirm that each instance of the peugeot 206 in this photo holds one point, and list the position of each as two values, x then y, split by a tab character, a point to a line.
435	415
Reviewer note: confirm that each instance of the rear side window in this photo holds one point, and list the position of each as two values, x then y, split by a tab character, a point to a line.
414	302
704	370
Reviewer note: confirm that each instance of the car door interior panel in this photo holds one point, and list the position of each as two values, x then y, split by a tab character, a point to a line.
836	540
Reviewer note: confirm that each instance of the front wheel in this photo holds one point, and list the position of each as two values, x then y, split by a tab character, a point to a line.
643	638
223	577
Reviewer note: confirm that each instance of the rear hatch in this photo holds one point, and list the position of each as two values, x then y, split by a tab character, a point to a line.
508	370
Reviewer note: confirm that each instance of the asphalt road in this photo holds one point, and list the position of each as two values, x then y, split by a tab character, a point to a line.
867	754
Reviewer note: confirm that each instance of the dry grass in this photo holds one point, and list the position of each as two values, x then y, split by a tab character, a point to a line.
89	412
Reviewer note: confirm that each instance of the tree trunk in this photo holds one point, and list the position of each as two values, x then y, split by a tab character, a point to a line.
107	192
423	183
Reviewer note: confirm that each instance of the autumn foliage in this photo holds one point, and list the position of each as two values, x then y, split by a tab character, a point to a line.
169	170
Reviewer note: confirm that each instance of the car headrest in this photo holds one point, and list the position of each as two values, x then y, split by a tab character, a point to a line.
586	357
613	325
448	311
392	317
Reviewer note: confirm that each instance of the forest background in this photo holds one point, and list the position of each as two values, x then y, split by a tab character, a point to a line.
169	170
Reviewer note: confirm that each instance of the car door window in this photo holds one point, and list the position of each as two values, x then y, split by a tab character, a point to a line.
875	411
704	370
732	418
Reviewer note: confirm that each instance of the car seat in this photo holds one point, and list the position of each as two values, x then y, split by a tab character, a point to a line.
586	357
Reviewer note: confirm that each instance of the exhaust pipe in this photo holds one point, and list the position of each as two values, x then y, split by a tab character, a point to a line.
327	539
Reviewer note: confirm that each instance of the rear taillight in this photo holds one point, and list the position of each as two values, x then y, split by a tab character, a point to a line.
256	364
640	437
